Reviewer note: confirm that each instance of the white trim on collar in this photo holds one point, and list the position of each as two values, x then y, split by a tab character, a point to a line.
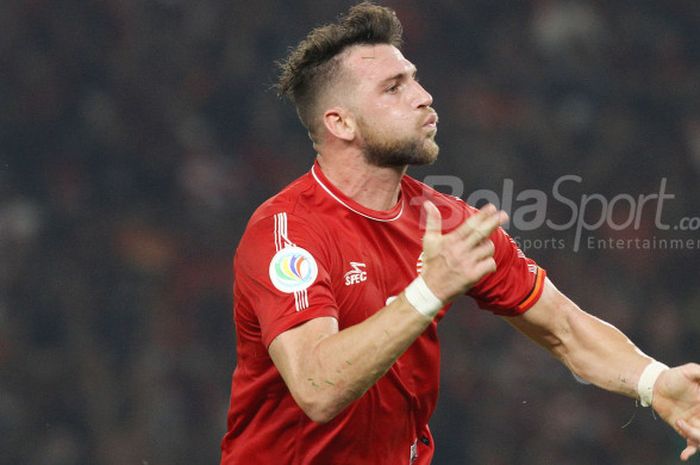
340	201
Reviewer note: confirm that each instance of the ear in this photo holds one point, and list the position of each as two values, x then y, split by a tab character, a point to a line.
340	123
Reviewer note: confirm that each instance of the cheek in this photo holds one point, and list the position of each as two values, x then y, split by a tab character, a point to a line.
388	117
403	118
396	121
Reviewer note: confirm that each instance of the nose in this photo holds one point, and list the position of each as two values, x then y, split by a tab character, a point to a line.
423	97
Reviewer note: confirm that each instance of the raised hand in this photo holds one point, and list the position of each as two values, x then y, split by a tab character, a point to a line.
454	262
677	400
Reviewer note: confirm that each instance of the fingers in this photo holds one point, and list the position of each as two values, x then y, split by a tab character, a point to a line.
480	222
689	428
456	261
688	452
484	249
433	227
691	433
481	225
484	267
433	222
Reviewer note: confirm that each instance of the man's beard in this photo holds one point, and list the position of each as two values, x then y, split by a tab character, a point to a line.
385	152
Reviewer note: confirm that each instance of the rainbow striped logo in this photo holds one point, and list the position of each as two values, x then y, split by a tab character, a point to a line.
293	269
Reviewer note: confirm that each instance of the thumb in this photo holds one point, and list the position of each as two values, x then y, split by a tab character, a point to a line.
433	226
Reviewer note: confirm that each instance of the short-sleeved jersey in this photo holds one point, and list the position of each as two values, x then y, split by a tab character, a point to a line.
311	252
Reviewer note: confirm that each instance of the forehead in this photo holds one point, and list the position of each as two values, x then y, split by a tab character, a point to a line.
374	63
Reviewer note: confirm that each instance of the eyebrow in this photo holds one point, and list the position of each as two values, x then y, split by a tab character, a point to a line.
400	76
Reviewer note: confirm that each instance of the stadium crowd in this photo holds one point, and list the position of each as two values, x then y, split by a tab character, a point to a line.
137	137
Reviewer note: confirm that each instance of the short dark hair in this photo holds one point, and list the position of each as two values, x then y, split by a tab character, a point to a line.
313	65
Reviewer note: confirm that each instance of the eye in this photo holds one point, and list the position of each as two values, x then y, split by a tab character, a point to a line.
393	88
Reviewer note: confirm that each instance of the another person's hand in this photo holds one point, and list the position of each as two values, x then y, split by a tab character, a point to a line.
677	400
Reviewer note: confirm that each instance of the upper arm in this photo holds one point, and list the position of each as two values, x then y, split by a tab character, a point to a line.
548	321
515	285
291	351
282	275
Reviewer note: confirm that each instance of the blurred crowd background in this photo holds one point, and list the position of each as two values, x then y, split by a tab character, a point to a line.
137	137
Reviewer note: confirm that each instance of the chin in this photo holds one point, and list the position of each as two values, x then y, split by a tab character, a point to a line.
400	153
431	152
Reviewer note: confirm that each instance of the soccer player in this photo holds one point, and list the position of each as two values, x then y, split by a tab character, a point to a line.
342	277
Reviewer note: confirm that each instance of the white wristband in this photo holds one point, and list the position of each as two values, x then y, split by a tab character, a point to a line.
645	387
422	298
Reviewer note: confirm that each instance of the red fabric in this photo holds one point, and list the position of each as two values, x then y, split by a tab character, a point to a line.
379	251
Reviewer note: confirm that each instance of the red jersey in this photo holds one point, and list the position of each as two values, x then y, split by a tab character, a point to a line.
311	252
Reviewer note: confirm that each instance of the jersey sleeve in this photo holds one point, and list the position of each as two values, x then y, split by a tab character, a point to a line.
281	272
516	284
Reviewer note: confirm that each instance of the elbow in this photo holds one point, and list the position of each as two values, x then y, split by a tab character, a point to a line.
578	369
319	404
321	416
576	349
319	410
559	350
323	404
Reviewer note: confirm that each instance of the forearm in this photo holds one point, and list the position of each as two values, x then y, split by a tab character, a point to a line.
342	366
599	353
352	360
591	348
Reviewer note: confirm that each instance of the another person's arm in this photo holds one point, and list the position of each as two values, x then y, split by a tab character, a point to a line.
599	353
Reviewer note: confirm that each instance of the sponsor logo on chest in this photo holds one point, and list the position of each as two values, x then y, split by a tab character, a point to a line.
357	274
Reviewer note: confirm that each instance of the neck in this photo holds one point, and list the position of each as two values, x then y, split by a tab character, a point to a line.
373	187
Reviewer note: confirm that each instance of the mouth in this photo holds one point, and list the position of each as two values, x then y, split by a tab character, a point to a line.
431	121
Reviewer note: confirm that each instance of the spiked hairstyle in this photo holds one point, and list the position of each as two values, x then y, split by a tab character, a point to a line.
313	66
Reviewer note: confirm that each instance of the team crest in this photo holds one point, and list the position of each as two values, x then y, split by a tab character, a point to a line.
293	269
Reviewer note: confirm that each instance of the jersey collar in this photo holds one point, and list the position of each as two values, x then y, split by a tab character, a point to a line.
377	215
